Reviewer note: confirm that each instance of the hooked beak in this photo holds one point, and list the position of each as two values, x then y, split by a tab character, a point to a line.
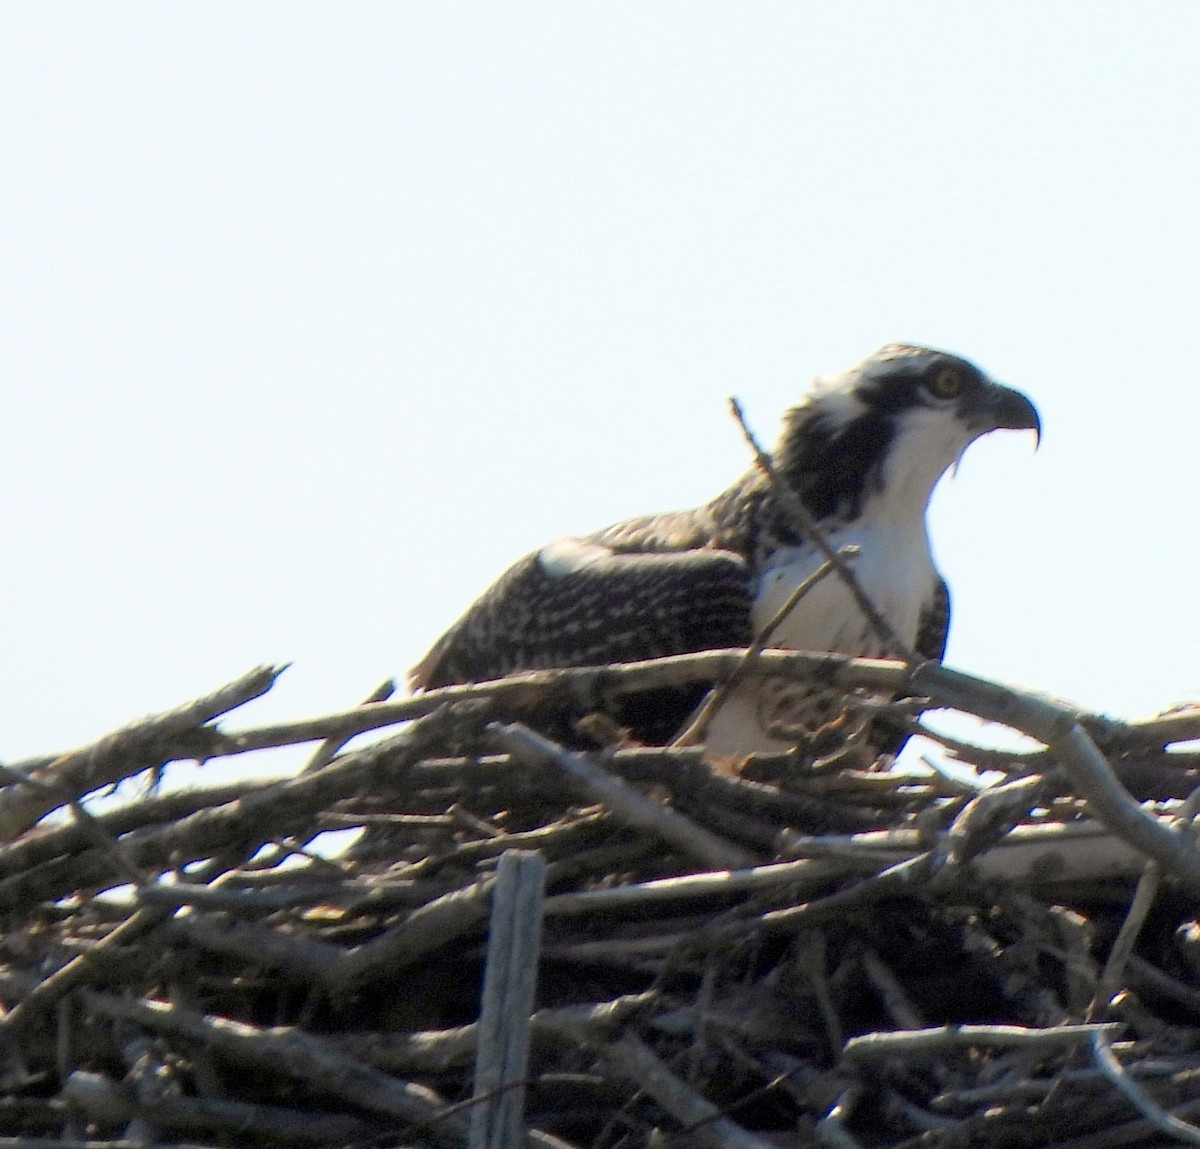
1000	408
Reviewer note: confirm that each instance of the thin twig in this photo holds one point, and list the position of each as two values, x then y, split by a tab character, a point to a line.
831	1129
1060	728
922	1042
300	1055
126	752
1122	948
327	751
623	800
1107	1063
704	1122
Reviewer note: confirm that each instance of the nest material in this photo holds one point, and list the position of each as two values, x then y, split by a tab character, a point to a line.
815	951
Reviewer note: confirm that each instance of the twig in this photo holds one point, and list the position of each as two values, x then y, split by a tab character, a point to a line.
1059	727
922	1042
34	850
625	802
424	930
891	991
790	876
91	1143
987	818
1144	974
327	751
1107	1063
831	1129
436	1051
1010	1088
103	1101
1122	948
261	815
59	983
589	686
303	958
294	1053
704	1122
1182	725
813	958
119	755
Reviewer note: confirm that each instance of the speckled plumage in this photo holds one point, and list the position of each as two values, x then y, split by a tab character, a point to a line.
863	450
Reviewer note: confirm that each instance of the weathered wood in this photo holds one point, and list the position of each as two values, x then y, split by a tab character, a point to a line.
509	983
725	960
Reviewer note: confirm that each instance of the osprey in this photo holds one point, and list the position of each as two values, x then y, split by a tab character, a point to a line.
863	451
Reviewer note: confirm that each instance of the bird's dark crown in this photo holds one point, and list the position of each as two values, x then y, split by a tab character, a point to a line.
835	442
902	375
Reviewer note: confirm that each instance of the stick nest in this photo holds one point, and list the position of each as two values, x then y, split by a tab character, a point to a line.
817	950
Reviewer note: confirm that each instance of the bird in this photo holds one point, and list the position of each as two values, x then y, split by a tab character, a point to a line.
862	450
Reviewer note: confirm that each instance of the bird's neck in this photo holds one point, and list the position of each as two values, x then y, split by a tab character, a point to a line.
867	464
834	465
920	453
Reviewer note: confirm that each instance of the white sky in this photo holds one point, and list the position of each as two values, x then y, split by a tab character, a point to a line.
313	317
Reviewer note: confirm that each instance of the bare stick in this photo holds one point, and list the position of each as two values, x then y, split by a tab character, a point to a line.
1059	727
510	979
327	751
1107	1063
299	956
435	1051
1122	948
119	755
705	1123
106	1102
831	1129
50	842
718	885
891	991
587	686
70	975
622	799
1179	725
295	1053
919	1042
424	930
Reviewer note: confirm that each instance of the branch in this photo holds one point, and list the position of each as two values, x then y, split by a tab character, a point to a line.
1060	727
624	801
126	752
910	1043
318	1064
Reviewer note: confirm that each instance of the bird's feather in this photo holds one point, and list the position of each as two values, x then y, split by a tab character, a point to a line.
578	602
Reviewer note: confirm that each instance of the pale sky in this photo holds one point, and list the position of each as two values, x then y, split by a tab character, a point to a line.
313	317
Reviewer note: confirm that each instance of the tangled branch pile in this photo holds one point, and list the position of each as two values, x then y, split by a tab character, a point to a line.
813	952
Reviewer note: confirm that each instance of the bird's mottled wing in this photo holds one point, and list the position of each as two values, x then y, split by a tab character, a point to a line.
578	602
934	624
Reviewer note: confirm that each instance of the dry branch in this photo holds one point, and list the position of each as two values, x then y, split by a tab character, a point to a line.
126	752
805	951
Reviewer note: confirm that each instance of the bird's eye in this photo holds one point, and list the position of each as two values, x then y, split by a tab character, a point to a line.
946	383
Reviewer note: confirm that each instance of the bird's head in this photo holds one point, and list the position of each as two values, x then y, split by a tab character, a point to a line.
891	427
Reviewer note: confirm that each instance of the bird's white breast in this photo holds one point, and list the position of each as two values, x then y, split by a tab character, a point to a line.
895	569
